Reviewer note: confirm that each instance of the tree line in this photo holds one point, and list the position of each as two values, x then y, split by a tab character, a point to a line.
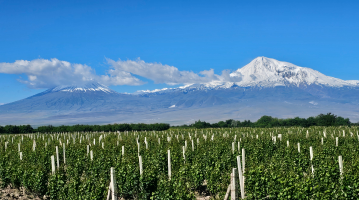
268	122
13	129
264	122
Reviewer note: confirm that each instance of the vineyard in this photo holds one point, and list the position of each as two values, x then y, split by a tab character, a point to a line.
276	163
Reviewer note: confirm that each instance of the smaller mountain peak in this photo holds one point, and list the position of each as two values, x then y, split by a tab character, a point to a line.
88	87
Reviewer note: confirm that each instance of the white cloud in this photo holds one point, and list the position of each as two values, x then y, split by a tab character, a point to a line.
160	73
1	104
43	73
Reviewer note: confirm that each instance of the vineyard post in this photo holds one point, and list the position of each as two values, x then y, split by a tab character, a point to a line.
241	182
298	147
234	193
123	151
53	164
64	154
113	184
340	165
311	158
232	147
169	164
91	155
228	191
103	145
336	141
140	161
57	157
18	145
287	143
184	156
20	155
88	150
138	148
311	153
243	161
192	146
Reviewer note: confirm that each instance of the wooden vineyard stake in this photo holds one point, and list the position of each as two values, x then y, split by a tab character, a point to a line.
53	164
311	153
340	165
140	162
311	158
138	148
287	143
192	146
123	151
20	155
240	175
298	147
234	190
243	161
91	155
64	154
184	156
169	164
113	184
336	141
88	150
232	147
228	191
57	157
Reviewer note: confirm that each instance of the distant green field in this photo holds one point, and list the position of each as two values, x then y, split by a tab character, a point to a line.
274	169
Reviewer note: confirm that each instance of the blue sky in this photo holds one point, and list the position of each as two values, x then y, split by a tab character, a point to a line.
191	36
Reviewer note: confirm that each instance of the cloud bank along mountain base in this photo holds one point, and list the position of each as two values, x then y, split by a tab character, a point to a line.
263	87
43	73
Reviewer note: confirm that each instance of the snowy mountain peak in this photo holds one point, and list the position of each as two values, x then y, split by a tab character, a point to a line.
268	72
90	87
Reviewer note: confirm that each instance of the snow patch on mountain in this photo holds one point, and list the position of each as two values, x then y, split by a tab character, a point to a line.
91	87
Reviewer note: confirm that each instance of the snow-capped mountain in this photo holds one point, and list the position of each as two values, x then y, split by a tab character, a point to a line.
90	87
265	72
266	87
268	72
